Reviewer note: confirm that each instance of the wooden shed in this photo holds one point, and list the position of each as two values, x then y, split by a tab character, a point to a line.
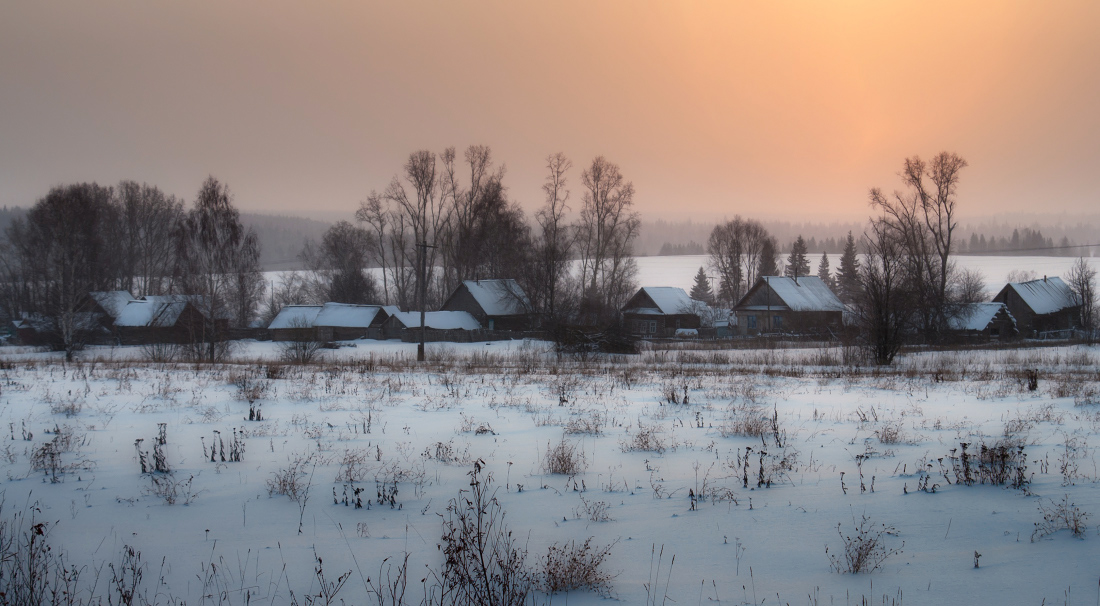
1040	306
982	322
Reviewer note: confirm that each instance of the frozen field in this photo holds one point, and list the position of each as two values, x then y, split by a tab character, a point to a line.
778	448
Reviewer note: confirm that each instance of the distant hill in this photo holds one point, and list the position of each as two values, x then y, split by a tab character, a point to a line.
281	237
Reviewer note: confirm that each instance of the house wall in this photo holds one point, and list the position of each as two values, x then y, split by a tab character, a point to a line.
787	321
462	300
658	325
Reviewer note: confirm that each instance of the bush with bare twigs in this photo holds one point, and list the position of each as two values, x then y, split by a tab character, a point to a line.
564	458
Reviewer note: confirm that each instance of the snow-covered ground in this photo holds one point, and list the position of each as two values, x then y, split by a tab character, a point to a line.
846	442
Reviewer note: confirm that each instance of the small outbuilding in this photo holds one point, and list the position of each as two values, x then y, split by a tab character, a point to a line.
164	319
439	325
345	321
983	322
660	311
495	304
1040	306
294	323
803	305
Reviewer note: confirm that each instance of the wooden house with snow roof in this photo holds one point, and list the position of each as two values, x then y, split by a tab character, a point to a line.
329	322
346	321
495	304
1040	306
803	305
660	311
165	319
982	322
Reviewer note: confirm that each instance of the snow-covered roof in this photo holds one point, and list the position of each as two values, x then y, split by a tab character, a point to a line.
808	293
439	320
112	301
152	311
976	316
498	297
1045	295
295	316
669	300
346	315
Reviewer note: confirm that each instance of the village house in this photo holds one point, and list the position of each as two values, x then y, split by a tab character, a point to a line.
495	304
165	319
109	304
660	311
982	322
803	305
1040	306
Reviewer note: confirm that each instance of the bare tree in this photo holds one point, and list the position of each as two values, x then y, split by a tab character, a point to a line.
1082	281
924	218
608	227
337	265
393	240
549	279
149	217
884	302
59	254
217	261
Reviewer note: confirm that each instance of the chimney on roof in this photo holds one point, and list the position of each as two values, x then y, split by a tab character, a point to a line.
1044	279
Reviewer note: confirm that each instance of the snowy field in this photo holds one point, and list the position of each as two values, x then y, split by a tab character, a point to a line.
777	446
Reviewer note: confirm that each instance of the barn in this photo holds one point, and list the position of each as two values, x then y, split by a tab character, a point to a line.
495	304
982	322
777	304
1040	306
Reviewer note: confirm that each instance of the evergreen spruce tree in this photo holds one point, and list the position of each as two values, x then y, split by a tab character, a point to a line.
823	271
769	265
797	263
701	291
847	275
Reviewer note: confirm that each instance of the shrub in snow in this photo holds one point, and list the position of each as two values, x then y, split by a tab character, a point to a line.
864	549
483	562
1062	515
563	458
570	567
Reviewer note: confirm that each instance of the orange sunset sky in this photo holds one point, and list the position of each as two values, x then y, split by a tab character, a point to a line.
768	108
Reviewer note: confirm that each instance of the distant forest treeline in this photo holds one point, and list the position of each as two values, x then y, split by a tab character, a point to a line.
689	238
281	237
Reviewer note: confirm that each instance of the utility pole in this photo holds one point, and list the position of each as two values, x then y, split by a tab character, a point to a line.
422	294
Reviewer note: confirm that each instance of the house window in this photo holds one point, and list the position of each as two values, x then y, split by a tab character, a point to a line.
653	326
778	322
752	322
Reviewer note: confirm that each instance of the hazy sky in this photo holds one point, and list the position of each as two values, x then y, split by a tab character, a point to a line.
766	108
